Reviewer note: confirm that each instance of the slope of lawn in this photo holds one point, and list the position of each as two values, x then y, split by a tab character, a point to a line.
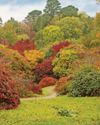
47	91
81	111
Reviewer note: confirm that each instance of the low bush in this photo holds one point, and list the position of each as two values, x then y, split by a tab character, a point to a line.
47	81
57	47
37	89
62	85
86	82
23	45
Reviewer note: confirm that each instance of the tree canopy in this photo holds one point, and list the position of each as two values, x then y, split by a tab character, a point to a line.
52	7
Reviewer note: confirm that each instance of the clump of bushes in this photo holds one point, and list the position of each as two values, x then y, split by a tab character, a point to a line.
62	64
23	45
34	56
53	49
57	47
86	82
48	35
9	98
22	71
37	89
44	68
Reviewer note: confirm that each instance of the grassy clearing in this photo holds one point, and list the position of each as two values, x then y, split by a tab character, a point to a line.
43	112
48	90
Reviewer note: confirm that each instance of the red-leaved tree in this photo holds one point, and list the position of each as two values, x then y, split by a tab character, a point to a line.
9	98
43	69
23	45
56	48
47	81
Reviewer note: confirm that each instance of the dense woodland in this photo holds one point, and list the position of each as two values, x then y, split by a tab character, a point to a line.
59	46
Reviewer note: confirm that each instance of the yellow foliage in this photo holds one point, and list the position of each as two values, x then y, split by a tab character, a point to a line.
98	35
33	56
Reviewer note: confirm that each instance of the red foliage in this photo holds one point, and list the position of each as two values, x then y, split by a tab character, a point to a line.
4	42
63	80
9	99
56	48
43	69
37	89
23	45
62	83
47	81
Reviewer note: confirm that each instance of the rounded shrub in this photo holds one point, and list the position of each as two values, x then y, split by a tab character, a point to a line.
86	82
23	45
62	64
47	81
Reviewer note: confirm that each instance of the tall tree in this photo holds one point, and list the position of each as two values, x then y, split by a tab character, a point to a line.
69	11
52	8
41	22
32	16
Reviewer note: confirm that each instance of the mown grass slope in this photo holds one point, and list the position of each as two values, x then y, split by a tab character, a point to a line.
84	111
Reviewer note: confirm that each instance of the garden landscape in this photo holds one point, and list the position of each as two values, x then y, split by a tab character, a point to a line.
50	63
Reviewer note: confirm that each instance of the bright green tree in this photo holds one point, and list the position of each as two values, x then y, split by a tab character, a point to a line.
62	64
49	35
87	21
7	32
72	27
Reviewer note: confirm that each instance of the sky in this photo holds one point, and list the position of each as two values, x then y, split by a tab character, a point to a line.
19	9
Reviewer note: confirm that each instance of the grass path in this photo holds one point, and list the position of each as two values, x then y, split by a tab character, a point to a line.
54	95
48	93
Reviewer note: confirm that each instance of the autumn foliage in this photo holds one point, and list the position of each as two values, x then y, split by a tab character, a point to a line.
56	48
34	56
9	98
23	45
43	69
47	81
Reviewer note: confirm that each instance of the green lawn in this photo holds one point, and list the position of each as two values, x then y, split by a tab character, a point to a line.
84	111
48	90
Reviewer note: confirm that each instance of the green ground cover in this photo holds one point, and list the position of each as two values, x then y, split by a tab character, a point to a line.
56	111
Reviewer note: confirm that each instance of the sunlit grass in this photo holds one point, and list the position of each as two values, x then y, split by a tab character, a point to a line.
43	112
48	90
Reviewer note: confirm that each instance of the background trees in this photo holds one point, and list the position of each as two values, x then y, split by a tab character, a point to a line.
52	8
59	35
72	27
69	11
49	35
